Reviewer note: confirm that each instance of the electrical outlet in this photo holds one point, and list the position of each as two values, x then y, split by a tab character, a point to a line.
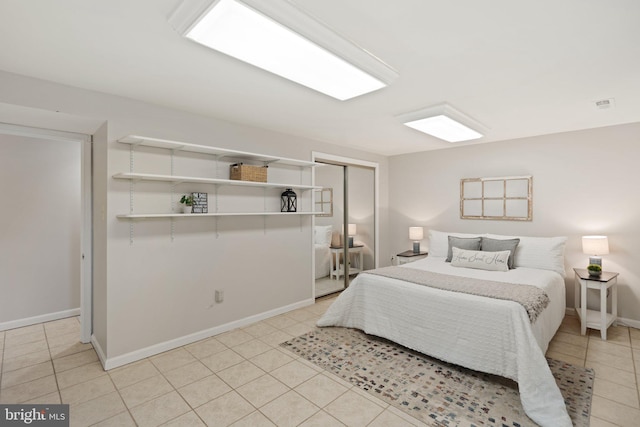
219	295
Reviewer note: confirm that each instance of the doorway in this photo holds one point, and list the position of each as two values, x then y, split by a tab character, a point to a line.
46	175
348	196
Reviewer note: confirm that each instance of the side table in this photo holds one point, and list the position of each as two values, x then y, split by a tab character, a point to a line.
410	256
337	267
591	318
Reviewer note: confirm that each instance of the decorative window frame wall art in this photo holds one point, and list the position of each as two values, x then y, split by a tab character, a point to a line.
503	198
324	201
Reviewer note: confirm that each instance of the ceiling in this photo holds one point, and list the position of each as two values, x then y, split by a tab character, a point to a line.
519	68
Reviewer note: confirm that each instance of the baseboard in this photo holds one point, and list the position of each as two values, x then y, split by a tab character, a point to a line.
12	324
569	311
114	362
99	351
629	322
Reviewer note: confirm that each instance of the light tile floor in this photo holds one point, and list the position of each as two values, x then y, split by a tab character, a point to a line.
242	378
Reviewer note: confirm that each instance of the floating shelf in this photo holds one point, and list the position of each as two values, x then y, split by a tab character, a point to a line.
214	151
179	179
216	214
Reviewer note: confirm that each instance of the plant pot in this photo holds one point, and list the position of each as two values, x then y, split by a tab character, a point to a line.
186	209
595	273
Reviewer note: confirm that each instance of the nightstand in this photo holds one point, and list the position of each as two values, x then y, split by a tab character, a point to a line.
591	318
337	267
410	256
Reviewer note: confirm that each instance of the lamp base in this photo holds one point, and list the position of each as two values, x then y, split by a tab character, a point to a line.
597	260
350	241
416	247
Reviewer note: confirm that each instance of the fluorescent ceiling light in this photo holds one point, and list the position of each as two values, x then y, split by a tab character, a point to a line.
444	122
276	36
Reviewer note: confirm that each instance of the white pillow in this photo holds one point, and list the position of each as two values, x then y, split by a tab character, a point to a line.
545	253
322	235
439	242
482	260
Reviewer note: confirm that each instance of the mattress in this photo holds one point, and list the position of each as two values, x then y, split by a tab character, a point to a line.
485	334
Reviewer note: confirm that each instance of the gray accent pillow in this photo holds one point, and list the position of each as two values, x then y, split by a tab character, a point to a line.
471	243
497	245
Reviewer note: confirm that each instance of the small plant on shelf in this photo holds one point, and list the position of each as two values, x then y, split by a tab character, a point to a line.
187	202
594	270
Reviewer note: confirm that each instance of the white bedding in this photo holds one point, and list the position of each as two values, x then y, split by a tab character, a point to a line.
323	266
480	333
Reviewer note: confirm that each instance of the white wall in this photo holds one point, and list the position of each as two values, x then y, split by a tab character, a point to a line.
584	182
41	222
157	292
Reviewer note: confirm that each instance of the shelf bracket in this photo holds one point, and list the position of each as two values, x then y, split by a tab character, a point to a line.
131	192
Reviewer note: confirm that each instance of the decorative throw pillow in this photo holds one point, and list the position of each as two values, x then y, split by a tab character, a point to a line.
471	243
482	260
496	245
322	235
439	243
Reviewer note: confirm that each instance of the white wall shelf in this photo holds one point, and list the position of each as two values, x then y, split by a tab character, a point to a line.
218	157
180	179
213	151
215	214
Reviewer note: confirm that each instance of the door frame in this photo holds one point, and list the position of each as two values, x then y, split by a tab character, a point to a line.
349	161
86	200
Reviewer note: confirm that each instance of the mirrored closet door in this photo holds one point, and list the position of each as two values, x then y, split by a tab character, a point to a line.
347	197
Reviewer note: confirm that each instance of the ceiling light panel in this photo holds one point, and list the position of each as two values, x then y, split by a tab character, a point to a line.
241	31
444	122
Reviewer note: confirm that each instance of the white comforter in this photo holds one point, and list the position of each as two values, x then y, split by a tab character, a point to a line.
480	333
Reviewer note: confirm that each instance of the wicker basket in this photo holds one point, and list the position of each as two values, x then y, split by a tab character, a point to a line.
243	172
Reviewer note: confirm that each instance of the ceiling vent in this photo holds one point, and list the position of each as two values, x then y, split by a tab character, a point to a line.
604	104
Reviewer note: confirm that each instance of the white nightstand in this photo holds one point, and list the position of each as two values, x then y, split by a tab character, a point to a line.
591	318
337	268
410	256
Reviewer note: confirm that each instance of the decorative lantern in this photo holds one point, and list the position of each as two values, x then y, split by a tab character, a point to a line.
289	201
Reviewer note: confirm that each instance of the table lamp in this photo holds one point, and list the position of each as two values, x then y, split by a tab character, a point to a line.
351	231
416	234
595	246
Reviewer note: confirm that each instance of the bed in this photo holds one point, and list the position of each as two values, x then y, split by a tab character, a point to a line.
322	235
485	334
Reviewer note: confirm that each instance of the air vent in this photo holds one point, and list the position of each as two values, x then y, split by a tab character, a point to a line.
604	104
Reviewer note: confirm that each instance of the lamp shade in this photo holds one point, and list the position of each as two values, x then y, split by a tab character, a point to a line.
351	230
416	233
595	245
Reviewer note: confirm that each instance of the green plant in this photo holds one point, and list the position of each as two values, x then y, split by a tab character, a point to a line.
594	267
187	200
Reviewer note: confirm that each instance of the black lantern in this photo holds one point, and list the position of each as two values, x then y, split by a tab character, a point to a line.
289	201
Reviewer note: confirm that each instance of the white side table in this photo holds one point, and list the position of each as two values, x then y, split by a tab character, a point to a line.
410	256
591	318
337	267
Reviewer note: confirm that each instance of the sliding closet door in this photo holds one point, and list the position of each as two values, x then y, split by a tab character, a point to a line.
361	199
328	229
344	236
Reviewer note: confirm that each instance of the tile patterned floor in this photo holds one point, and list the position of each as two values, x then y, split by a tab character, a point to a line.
242	378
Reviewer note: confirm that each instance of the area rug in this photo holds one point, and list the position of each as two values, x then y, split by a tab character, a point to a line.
434	392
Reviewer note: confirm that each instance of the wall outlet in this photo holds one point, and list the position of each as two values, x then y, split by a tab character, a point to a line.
219	295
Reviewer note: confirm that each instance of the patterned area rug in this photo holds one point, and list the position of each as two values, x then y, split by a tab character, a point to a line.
435	392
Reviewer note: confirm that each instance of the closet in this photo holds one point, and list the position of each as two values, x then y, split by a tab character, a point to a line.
347	196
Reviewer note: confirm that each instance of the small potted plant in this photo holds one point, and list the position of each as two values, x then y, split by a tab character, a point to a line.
187	202
594	270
